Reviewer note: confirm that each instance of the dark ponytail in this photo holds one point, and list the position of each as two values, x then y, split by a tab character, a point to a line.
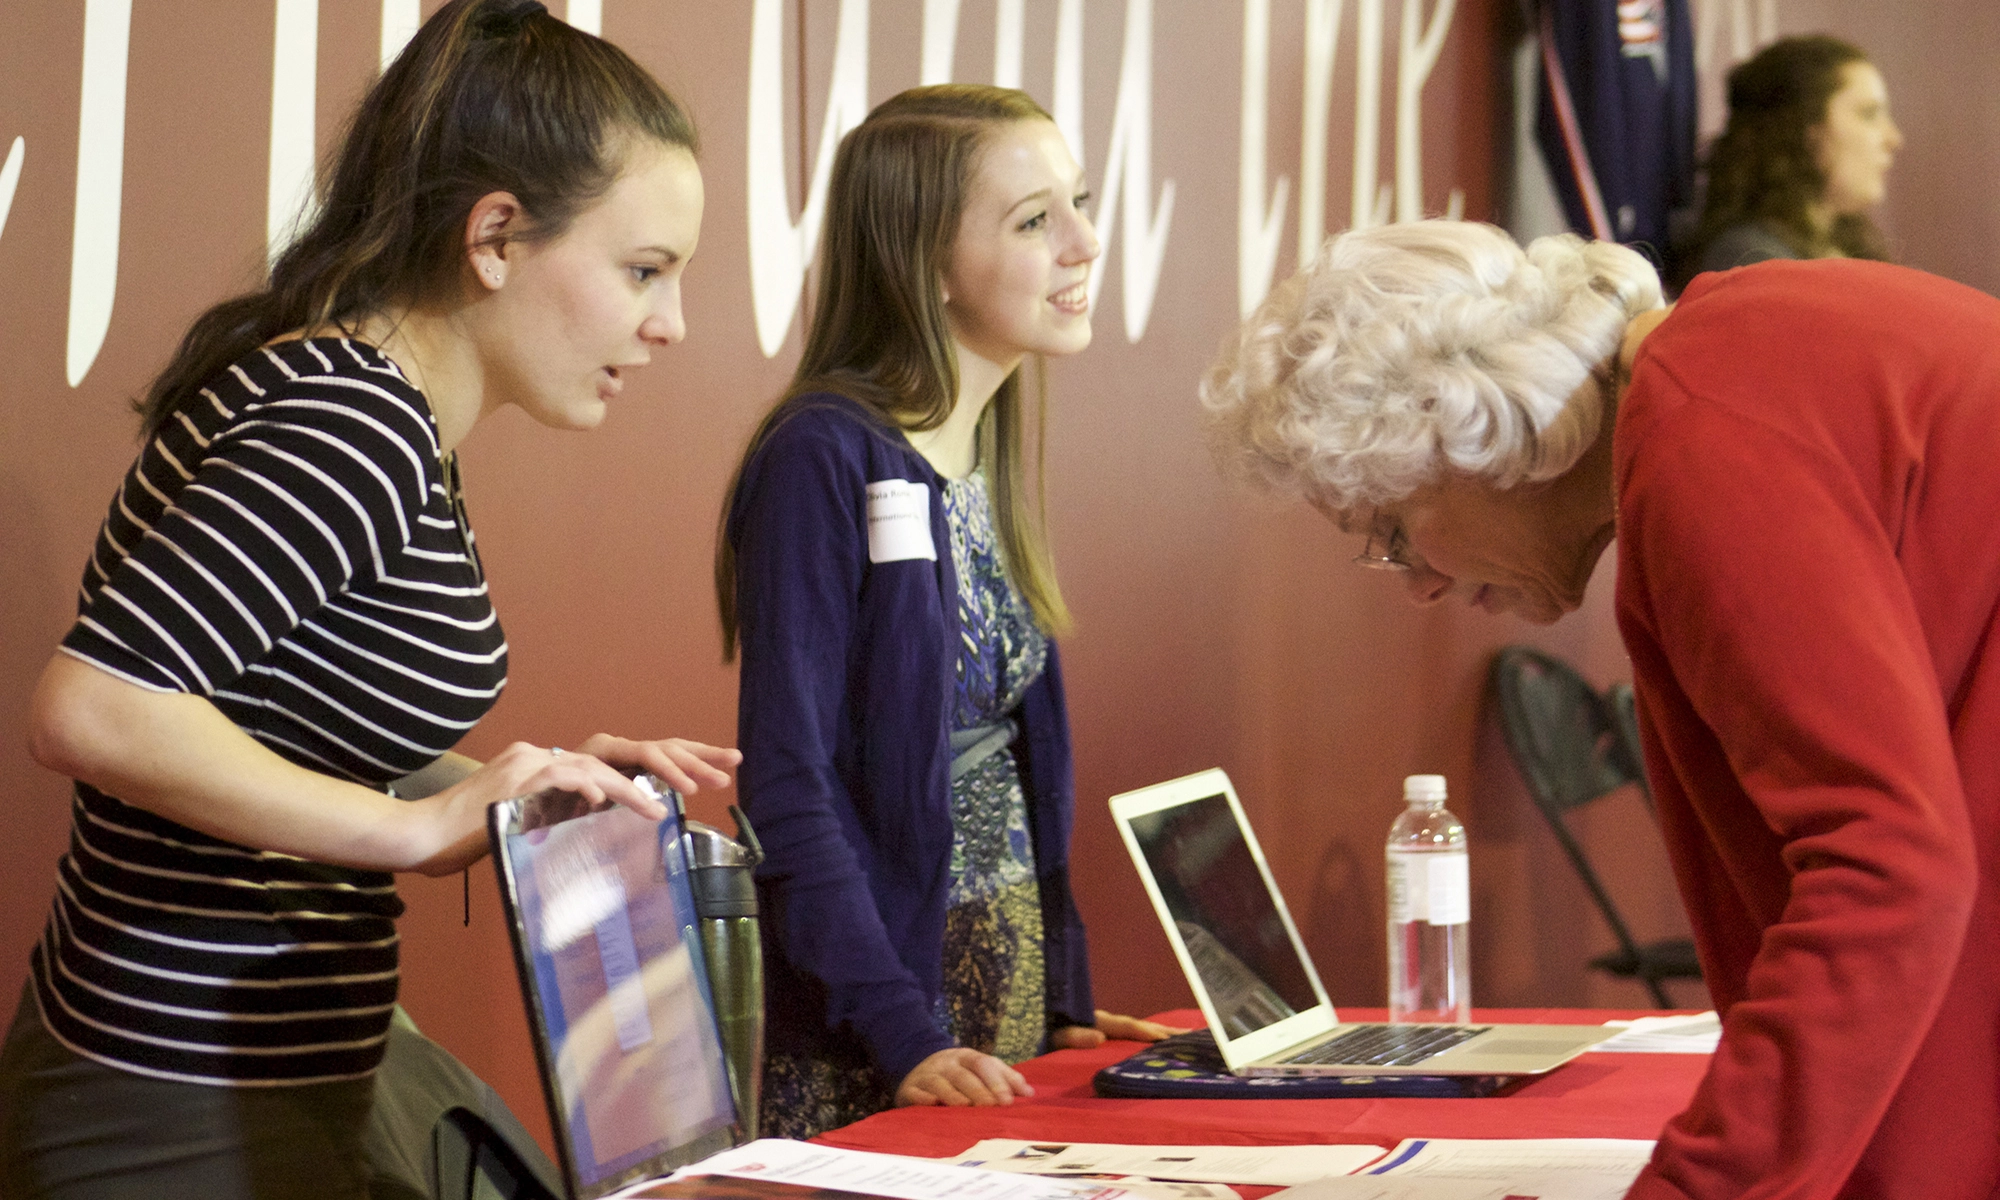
489	96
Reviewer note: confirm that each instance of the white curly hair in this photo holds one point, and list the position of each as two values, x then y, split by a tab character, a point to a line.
1408	350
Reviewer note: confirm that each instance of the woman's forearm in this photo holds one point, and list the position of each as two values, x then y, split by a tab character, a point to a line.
178	756
442	772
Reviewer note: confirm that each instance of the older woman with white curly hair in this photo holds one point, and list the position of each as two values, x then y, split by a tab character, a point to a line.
1438	359
1798	461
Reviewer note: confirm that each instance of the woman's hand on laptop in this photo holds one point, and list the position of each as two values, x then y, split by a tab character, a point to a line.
959	1077
685	766
1110	1026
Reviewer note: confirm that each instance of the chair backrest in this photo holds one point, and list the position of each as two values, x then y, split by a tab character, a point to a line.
1625	708
471	1160
1570	746
1566	738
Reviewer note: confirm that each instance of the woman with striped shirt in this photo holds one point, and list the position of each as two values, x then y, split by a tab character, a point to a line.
284	624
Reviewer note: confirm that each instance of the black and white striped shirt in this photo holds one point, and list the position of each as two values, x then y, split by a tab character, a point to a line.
289	546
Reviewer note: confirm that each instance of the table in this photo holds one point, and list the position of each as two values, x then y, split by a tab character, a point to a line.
1597	1095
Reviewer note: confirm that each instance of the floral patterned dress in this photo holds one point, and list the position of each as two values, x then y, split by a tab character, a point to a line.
994	995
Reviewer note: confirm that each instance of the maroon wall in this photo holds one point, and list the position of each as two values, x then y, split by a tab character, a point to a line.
1213	628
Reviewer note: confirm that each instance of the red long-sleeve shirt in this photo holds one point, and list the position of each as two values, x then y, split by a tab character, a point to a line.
1808	475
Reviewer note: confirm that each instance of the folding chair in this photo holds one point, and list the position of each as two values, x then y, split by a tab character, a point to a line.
1572	746
473	1161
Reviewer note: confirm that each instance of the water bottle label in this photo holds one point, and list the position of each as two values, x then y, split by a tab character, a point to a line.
1451	889
1433	888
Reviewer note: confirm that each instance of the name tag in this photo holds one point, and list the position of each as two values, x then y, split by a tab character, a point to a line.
899	521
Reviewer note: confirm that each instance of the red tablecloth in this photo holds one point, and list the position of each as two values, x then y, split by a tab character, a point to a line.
1597	1095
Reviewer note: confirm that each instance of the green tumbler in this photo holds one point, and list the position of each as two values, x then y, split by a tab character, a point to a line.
725	904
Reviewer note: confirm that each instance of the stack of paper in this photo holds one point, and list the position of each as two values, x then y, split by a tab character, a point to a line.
1418	1169
1270	1165
1697	1034
774	1167
1491	1169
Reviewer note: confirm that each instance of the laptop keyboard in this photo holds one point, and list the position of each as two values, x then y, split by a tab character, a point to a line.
1386	1045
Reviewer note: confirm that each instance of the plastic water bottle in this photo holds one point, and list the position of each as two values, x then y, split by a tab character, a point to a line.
1430	909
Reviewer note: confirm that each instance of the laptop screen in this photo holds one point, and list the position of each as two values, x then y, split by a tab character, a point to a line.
618	997
1212	887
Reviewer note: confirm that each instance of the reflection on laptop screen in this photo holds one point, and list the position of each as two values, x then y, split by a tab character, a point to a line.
607	919
1225	915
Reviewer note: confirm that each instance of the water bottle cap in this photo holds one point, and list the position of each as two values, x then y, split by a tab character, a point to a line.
1428	789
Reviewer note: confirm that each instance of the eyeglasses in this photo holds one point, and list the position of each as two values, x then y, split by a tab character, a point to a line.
1386	549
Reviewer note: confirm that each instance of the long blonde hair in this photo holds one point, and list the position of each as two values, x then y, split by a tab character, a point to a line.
879	333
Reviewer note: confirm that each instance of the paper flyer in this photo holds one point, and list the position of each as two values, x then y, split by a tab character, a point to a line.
1270	1165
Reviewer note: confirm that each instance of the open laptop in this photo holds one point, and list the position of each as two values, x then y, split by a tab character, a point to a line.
603	924
1235	940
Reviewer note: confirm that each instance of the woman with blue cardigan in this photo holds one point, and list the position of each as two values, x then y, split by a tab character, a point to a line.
886	580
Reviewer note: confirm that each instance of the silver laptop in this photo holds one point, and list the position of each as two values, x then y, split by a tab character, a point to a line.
604	932
1250	973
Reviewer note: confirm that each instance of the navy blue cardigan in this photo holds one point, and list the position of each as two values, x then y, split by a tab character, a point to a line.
844	718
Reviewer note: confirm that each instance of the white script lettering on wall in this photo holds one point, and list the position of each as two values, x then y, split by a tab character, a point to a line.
1259	224
1322	39
10	177
1414	59
1369	208
1257	227
940	46
1009	51
290	202
1010	35
941	38
1068	87
1134	216
587	15
288	198
1128	169
779	247
400	19
100	181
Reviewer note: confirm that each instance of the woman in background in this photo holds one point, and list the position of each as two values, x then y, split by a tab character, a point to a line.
886	578
284	614
1803	159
